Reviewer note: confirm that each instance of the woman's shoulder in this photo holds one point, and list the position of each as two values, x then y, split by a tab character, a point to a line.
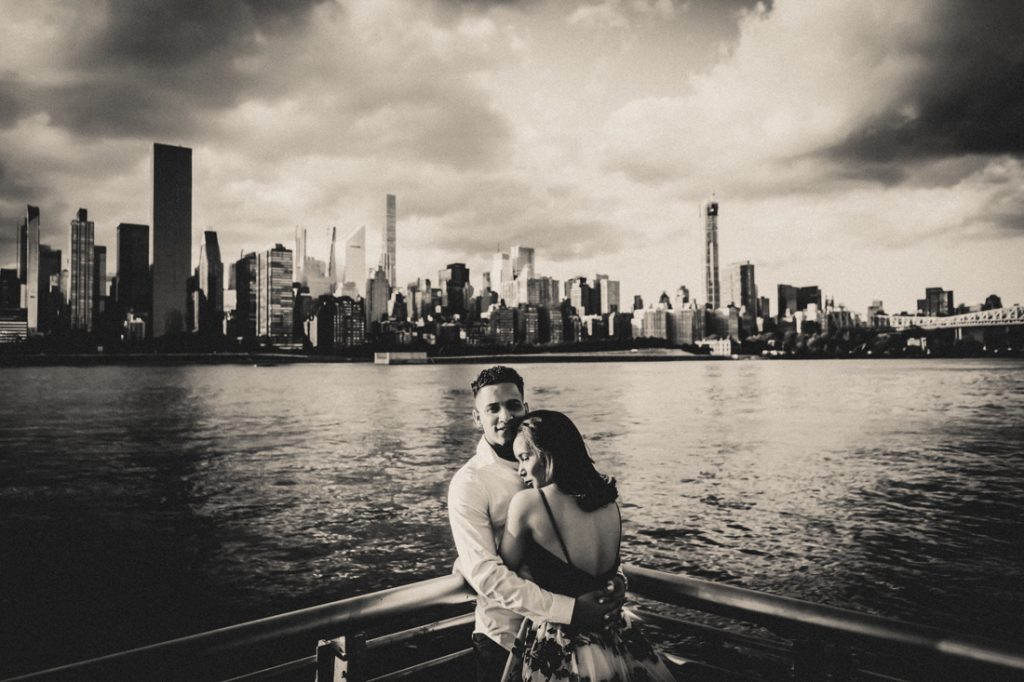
524	501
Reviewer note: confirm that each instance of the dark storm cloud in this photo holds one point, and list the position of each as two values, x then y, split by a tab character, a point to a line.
176	35
154	67
970	101
11	188
11	95
1003	211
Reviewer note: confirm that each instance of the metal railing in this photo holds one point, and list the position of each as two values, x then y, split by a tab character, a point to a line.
816	629
225	651
819	635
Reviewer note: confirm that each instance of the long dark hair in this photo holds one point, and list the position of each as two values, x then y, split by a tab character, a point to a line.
554	437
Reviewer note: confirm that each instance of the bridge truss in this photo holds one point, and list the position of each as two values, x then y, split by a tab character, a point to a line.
997	317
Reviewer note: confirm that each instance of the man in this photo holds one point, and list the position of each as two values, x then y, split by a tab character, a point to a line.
478	500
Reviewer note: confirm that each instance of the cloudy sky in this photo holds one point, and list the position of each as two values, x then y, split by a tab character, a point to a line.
871	148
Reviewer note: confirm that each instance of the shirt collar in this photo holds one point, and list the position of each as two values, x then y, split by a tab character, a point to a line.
484	448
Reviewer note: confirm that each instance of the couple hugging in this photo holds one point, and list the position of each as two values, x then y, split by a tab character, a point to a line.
537	530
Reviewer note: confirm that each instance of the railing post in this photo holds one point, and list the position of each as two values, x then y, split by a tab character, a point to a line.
340	660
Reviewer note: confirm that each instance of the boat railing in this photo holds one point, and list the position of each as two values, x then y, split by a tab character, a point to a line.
824	642
238	652
790	639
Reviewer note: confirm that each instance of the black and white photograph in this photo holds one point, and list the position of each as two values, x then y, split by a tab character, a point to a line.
512	340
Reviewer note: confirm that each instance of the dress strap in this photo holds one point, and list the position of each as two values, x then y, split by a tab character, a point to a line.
618	546
555	526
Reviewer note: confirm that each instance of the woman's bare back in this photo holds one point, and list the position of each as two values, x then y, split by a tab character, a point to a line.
592	538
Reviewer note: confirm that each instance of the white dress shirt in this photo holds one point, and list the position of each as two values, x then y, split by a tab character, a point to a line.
478	498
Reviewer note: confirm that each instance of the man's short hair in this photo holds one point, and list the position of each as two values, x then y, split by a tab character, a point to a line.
498	375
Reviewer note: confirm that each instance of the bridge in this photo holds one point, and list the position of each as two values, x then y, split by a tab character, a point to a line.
997	317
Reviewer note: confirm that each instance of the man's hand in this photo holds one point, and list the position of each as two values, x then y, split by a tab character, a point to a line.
596	610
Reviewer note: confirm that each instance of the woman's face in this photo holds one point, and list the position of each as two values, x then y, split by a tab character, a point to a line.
531	465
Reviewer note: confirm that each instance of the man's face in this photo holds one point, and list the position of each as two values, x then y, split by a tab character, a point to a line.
497	407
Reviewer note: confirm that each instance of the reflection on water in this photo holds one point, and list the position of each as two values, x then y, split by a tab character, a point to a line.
137	504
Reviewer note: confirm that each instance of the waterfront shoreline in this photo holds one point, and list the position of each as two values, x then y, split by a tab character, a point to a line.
271	359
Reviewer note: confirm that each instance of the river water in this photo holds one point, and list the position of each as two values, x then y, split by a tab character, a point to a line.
143	503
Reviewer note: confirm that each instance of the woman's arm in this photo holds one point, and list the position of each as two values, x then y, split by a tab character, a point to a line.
517	531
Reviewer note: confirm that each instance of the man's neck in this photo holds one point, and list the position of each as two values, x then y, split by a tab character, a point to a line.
503	451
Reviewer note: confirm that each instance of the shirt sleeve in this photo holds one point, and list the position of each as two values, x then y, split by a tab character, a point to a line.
481	566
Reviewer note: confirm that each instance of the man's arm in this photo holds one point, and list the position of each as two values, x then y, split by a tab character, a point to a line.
483	569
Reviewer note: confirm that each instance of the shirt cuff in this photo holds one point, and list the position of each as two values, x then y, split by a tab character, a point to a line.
562	608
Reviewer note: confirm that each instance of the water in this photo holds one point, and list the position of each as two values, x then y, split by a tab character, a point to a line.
143	503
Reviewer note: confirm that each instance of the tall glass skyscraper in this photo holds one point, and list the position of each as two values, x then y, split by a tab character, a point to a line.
246	296
28	266
99	282
211	281
332	262
453	281
133	269
521	258
172	237
712	288
274	308
299	257
387	256
82	272
743	287
355	260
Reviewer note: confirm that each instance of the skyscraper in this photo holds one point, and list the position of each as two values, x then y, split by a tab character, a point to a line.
211	281
743	288
80	296
378	293
794	299
299	257
521	257
52	313
453	281
28	266
172	237
99	282
607	293
246	295
787	300
387	253
355	259
805	296
578	292
274	303
712	289
133	269
332	262
22	267
936	301
501	272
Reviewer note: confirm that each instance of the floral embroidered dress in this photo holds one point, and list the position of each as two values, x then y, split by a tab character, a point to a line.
551	651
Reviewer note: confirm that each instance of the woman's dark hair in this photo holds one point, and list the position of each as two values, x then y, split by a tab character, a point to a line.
558	442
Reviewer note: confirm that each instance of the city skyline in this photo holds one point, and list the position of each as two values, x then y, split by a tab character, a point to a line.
860	169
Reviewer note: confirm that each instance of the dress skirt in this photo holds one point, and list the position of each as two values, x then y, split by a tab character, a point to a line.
549	651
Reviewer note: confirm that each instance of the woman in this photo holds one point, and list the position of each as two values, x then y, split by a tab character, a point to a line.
563	533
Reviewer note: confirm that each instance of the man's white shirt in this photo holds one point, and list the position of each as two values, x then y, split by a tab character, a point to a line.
478	498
